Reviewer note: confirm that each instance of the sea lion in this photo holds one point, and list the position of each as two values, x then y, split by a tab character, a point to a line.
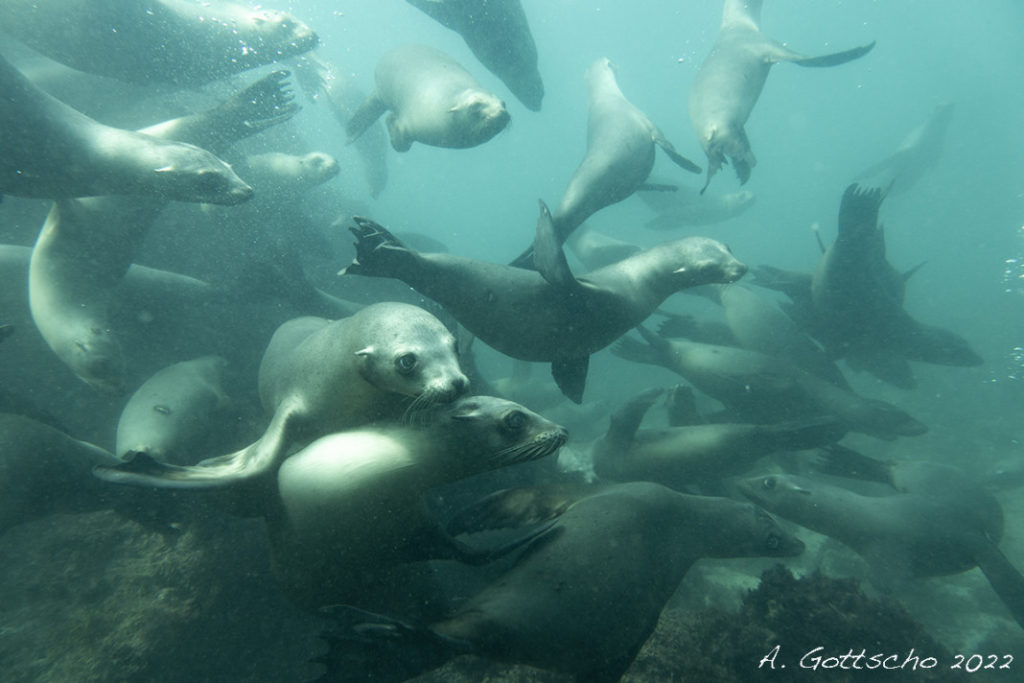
44	471
496	31
319	377
762	389
343	96
686	206
730	80
351	503
620	155
177	413
917	154
937	530
51	151
87	245
170	41
584	596
858	295
432	100
548	316
287	174
696	454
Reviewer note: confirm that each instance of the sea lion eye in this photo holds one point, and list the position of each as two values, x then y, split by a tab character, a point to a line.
406	363
768	483
515	420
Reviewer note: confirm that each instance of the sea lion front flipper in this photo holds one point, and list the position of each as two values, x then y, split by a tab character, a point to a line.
626	420
661	141
515	507
378	252
364	646
779	53
548	255
681	407
223	471
364	116
1005	579
840	461
571	376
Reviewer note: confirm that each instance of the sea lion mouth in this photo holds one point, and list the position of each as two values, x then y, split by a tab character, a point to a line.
541	446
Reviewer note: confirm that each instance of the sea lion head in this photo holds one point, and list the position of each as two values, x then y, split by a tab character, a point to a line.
749	531
190	174
95	356
267	35
479	116
786	495
701	260
412	354
317	167
488	432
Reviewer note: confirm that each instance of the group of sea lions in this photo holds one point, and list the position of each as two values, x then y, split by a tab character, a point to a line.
357	411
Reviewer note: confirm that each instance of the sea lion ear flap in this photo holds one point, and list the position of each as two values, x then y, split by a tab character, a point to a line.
800	489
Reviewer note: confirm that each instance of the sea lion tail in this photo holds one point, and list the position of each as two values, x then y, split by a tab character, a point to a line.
363	646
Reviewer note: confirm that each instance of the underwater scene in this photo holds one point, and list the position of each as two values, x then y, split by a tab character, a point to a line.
511	340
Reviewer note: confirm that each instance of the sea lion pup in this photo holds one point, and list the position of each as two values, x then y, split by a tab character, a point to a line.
343	96
730	80
432	100
319	377
351	504
620	155
167	41
762	389
582	598
549	316
939	529
52	151
86	246
687	206
918	153
175	415
498	34
696	454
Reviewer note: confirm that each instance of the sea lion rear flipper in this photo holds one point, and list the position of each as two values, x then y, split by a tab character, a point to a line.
364	646
661	141
369	111
778	53
1005	579
626	420
548	255
571	376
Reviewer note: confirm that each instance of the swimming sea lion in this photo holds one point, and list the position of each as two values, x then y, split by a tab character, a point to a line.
87	245
44	471
288	174
175	415
319	377
620	155
432	100
730	80
597	250
548	316
498	34
170	41
351	503
342	95
584	596
765	390
686	206
49	150
917	154
940	529
696	454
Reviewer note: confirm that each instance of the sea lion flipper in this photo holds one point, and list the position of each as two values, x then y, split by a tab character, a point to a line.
548	255
1005	579
369	111
776	52
515	507
378	251
682	162
571	376
626	420
841	461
